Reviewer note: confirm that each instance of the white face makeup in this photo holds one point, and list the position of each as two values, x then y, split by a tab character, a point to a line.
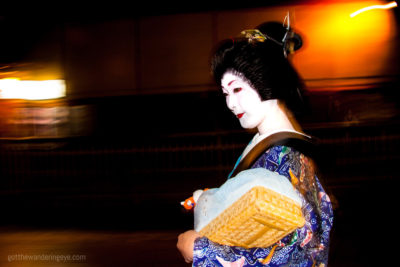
244	101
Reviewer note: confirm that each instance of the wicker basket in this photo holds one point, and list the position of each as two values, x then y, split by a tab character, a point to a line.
260	218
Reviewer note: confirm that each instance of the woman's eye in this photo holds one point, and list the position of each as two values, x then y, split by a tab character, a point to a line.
237	90
224	94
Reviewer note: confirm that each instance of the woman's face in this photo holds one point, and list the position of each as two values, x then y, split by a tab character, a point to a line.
243	100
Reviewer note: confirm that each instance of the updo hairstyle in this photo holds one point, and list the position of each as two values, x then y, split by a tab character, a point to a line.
263	64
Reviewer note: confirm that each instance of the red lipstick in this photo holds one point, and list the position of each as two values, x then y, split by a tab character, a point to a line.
239	115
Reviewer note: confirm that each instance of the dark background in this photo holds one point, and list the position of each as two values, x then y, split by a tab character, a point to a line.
146	153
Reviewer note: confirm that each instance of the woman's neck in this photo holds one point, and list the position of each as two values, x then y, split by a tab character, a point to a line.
278	118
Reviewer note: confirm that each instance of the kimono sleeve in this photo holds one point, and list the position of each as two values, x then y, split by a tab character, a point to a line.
317	208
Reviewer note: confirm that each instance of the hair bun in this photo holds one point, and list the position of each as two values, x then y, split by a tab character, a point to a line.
293	42
290	40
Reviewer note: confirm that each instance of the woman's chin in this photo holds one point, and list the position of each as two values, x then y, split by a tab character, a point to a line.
247	126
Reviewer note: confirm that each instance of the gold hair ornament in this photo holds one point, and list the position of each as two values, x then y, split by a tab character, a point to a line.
254	35
287	43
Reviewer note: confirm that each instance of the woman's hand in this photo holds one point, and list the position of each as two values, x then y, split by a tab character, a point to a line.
186	244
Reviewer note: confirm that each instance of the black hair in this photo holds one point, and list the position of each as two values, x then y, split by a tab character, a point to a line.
263	64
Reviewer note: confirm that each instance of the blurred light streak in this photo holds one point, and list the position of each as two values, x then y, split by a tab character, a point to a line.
13	88
387	6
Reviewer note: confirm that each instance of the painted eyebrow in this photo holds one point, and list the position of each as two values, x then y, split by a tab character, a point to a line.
228	84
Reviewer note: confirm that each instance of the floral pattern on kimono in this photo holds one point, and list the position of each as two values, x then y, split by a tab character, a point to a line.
306	246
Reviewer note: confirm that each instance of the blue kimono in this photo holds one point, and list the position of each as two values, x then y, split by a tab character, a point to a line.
306	246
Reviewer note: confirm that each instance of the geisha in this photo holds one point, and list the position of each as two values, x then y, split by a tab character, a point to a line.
263	91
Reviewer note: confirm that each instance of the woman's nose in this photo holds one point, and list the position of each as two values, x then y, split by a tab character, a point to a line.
231	102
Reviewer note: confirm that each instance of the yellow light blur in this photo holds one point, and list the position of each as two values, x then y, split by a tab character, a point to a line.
12	88
387	6
343	47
